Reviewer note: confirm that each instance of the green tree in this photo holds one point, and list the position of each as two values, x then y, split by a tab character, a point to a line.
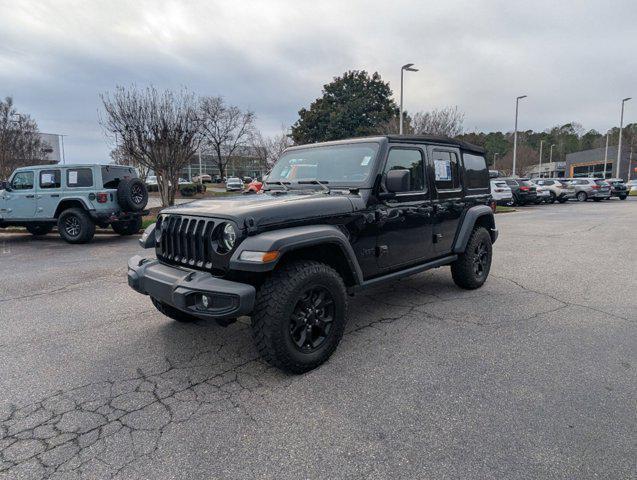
353	105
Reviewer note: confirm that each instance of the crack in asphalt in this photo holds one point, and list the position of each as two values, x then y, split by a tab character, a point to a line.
106	427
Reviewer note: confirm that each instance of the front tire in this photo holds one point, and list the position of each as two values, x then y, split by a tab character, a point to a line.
582	197
472	267
38	230
75	226
622	197
299	316
553	198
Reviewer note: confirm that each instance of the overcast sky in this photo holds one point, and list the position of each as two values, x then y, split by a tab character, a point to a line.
574	59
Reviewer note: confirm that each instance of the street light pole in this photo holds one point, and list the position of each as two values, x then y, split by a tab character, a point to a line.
495	157
551	154
515	133
409	68
539	170
606	157
619	147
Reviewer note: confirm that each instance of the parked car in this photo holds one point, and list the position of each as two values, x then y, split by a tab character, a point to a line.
543	194
247	179
183	181
586	188
151	183
290	257
501	192
617	188
254	186
203	178
234	184
557	188
631	186
76	198
523	190
216	179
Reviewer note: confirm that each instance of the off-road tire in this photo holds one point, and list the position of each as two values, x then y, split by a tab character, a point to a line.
75	226
553	198
563	200
172	312
463	270
132	195
130	227
582	197
597	199
38	229
276	301
622	197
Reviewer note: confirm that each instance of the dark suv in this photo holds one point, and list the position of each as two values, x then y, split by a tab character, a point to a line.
617	188
333	218
523	190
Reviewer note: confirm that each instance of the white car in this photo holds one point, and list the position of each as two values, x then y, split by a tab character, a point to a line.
183	181
543	193
632	185
501	192
233	184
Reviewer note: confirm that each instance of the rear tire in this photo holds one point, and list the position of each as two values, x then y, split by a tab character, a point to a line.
472	267
38	229
128	228
172	312
299	316
75	226
582	197
622	197
597	199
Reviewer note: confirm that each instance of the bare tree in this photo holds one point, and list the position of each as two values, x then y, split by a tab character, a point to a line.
120	156
159	130
225	128
269	149
445	121
20	142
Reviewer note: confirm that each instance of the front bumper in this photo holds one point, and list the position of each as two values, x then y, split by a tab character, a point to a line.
184	289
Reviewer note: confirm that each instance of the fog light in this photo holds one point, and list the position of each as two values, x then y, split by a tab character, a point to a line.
204	301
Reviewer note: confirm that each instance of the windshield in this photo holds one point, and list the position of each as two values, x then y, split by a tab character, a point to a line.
338	164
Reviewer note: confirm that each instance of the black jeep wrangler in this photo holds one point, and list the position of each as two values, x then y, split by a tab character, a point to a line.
333	218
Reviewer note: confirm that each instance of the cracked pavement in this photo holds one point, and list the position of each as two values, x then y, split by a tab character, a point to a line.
532	376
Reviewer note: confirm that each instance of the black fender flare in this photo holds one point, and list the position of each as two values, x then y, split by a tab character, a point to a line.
293	238
468	222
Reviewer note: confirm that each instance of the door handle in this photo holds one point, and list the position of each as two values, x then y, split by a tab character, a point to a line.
38	196
55	195
29	196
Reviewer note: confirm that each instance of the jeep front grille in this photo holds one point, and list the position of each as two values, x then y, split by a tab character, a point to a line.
188	241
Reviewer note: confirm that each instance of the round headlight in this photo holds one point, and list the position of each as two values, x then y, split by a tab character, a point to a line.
229	236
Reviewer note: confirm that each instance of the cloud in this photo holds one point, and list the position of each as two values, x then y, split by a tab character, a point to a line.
574	59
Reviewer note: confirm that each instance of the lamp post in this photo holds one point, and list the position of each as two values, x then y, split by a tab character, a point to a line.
515	133
606	157
539	170
551	154
495	157
408	67
619	146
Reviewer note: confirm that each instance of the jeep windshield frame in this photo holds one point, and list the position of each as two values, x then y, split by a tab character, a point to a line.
337	165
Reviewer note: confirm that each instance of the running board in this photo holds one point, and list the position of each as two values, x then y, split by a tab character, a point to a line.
407	272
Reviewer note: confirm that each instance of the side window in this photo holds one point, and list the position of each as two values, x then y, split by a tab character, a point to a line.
476	173
79	177
50	179
446	169
408	159
22	181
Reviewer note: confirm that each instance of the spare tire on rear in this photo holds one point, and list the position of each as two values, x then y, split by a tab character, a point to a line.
132	195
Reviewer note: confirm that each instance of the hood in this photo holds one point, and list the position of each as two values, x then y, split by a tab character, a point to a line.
269	209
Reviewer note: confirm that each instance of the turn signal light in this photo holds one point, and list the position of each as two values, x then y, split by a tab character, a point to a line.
259	257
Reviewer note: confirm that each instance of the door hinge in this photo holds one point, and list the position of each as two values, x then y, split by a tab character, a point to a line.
382	250
437	236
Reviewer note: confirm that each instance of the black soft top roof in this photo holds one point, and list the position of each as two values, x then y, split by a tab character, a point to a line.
436	139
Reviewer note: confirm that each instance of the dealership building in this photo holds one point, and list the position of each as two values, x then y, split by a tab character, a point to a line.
590	163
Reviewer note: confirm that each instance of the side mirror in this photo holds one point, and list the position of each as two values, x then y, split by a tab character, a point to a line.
398	180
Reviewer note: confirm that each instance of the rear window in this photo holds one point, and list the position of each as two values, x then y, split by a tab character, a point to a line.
476	173
600	182
79	177
512	183
500	184
111	176
526	183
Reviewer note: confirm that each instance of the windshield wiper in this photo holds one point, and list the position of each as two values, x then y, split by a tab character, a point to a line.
316	182
278	182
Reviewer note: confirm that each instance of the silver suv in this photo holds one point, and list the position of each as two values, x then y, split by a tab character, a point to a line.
76	198
585	188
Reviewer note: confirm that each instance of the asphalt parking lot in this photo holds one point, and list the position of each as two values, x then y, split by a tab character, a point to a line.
532	376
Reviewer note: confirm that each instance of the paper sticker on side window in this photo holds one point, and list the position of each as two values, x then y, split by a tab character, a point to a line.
443	170
366	160
72	177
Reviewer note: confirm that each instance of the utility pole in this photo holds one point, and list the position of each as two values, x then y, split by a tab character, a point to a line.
606	157
539	171
495	157
619	147
551	154
515	133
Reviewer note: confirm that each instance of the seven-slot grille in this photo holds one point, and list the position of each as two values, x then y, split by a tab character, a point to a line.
187	241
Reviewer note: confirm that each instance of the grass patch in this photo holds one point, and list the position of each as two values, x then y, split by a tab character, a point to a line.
504	209
633	193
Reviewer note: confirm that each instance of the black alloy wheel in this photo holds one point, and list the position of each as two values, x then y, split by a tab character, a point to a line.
311	320
480	259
